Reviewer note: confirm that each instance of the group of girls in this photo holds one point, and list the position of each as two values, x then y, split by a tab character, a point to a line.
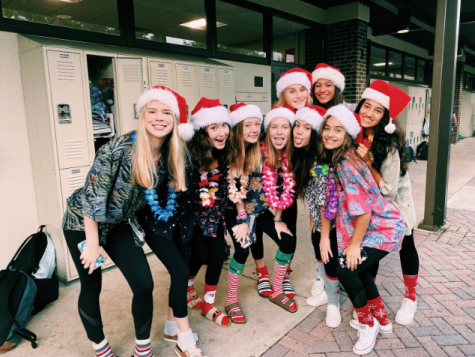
178	186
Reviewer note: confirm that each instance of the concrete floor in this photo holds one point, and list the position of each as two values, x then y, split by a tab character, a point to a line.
60	331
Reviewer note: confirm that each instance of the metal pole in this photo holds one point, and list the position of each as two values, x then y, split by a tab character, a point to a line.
443	87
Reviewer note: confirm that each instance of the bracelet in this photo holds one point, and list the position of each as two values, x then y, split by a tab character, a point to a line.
242	215
240	221
277	220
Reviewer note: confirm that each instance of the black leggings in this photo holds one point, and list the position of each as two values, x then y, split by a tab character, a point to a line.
330	267
208	250
358	283
408	256
265	223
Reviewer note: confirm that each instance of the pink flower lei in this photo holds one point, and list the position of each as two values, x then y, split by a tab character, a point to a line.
269	181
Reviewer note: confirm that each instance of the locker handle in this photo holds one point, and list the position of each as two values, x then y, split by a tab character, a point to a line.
136	114
64	114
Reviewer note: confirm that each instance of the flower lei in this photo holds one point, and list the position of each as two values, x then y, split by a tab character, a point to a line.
159	213
269	180
208	196
331	204
320	171
368	142
235	195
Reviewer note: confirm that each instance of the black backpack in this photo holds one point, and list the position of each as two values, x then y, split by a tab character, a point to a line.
422	150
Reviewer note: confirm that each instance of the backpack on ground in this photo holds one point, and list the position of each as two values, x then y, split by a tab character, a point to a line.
422	150
410	154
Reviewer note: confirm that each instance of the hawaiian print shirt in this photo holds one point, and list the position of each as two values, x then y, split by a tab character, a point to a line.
357	196
108	195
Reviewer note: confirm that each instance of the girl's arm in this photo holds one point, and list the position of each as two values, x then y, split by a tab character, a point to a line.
280	226
352	252
325	247
241	231
92	250
364	153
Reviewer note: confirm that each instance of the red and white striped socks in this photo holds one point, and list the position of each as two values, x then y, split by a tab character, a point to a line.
281	264
234	275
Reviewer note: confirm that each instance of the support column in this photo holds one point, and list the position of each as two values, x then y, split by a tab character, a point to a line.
443	89
458	101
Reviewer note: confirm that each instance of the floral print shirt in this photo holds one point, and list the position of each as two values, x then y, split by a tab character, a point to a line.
358	196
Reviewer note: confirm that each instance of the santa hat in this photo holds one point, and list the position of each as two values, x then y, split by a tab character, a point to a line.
165	95
390	97
243	111
294	76
324	71
313	115
286	112
349	119
206	112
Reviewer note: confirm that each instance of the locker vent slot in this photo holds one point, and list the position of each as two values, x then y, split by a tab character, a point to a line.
186	79
226	81
163	77
65	70
208	80
73	149
131	73
75	182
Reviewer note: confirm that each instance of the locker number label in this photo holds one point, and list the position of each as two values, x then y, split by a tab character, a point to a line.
64	55
161	65
185	68
206	69
75	171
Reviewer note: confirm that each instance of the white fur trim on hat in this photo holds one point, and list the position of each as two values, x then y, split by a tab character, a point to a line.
186	131
330	74
370	93
163	96
310	116
279	113
245	112
208	116
291	79
346	117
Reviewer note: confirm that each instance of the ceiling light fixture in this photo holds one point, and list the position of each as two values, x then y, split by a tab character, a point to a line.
64	17
382	64
200	24
403	20
71	1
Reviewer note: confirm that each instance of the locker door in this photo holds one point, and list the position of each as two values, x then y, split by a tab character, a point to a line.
69	115
207	82
226	86
160	73
129	88
186	83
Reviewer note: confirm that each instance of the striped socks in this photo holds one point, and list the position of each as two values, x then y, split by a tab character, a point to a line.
234	275
143	348
281	264
103	349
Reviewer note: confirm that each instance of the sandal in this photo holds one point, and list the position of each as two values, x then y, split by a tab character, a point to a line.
190	352
236	312
278	300
217	316
174	339
193	301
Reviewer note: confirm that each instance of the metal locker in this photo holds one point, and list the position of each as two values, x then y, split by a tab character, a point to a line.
129	87
226	86
207	82
186	83
67	97
160	73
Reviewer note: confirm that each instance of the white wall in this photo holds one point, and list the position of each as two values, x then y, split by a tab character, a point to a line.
18	217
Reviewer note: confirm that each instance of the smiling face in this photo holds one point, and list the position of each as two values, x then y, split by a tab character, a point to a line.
371	113
218	133
296	96
324	90
279	133
159	120
333	134
302	133
251	130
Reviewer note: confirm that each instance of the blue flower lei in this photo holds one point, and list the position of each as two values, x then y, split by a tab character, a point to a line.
159	213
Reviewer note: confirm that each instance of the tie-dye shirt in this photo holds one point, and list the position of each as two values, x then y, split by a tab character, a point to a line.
358	196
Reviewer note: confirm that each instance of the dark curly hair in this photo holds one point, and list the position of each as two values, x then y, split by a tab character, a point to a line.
383	142
337	98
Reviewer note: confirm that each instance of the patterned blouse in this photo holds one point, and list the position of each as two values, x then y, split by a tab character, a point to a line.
357	196
108	195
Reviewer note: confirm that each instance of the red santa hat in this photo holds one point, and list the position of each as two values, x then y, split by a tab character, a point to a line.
349	119
390	97
286	112
206	112
294	76
165	95
243	111
324	71
313	115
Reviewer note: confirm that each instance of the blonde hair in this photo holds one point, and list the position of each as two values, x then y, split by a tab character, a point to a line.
144	167
282	103
244	159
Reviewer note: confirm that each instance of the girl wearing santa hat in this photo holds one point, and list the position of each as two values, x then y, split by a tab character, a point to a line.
368	227
207	135
328	85
293	89
311	183
126	172
384	151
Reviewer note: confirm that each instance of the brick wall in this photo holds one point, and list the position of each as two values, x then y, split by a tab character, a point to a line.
313	46
457	101
345	48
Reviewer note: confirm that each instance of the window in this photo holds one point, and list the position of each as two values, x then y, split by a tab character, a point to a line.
179	22
395	65
288	41
240	31
421	70
90	15
409	68
378	61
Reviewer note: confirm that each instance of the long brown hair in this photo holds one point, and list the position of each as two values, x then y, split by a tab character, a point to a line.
243	159
201	150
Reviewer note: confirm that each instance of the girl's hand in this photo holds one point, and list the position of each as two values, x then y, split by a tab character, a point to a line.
364	153
90	254
325	249
241	232
353	256
281	227
312	225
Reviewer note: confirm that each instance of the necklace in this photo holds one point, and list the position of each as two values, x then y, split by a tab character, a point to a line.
159	213
235	195
208	195
331	204
368	142
323	170
269	179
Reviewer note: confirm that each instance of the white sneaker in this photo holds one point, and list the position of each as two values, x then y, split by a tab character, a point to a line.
405	314
317	300
366	338
318	286
383	330
333	316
